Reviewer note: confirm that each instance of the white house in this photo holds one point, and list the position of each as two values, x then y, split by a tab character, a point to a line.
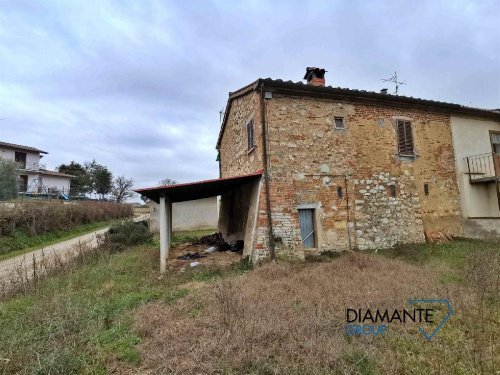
477	156
34	177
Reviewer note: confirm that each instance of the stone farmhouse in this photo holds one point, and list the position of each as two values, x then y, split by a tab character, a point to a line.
311	168
34	178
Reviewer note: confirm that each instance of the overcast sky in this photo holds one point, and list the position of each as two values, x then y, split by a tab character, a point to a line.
138	85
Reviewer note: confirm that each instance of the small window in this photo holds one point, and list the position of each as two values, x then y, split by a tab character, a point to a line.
339	123
307	229
426	189
393	191
20	157
250	133
340	192
405	138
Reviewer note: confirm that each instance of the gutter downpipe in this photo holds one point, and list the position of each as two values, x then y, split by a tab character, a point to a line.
266	172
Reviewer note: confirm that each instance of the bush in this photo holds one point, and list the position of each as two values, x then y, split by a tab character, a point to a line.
8	179
129	233
37	218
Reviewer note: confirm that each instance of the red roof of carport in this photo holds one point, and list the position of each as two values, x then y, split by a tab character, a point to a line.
198	189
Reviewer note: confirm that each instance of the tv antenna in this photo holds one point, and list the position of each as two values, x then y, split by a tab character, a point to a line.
394	79
221	115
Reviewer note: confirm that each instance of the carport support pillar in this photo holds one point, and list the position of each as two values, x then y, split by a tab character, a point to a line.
165	230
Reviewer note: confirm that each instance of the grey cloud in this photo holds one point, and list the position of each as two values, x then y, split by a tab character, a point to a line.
138	85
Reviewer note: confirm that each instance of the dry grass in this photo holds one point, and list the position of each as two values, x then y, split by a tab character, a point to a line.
38	218
29	274
283	318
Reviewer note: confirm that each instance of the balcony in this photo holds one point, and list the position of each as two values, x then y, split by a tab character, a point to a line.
483	168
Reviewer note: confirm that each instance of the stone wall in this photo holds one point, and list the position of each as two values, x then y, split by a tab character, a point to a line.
346	175
235	156
310	160
388	211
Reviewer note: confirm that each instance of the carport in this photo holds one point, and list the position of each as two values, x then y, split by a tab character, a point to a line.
168	194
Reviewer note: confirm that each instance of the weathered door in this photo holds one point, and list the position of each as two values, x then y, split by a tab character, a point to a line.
307	230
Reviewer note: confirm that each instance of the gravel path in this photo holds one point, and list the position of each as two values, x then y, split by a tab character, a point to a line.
62	249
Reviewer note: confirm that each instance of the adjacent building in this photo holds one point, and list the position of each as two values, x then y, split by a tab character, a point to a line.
34	177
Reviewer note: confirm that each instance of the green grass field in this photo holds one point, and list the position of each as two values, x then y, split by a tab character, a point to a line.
116	314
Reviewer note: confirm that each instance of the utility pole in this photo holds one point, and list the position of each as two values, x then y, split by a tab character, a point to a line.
394	79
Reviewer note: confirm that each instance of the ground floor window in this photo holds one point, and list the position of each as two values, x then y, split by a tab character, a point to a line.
307	228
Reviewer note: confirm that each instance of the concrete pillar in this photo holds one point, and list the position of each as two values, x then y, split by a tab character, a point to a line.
164	241
170	220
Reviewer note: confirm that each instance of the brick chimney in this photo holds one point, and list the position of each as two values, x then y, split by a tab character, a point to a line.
315	76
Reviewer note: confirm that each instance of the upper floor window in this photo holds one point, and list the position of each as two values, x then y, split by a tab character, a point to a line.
20	157
339	123
405	138
495	141
250	135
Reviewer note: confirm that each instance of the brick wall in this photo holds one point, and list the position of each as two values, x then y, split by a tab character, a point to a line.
346	174
310	160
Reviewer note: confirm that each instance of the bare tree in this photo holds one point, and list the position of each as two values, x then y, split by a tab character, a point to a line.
167	181
122	189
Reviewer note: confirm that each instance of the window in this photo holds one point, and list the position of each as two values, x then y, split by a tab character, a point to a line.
339	123
405	138
426	189
340	192
307	229
250	133
393	192
20	157
495	142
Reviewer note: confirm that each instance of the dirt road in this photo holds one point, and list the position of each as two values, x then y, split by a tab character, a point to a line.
63	250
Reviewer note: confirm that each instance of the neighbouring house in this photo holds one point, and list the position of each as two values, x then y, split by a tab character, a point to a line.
34	177
306	168
199	214
476	142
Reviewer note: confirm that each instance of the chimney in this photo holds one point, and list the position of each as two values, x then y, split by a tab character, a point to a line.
384	91
315	76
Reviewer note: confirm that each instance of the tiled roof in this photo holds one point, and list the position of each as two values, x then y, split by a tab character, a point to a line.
52	173
301	89
13	146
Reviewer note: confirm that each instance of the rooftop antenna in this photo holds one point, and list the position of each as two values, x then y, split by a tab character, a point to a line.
394	79
221	115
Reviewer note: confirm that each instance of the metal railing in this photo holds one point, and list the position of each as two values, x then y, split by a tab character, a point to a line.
483	167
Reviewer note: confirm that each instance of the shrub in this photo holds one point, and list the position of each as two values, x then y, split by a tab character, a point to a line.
37	218
126	234
8	179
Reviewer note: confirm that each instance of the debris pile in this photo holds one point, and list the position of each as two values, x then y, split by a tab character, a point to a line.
212	240
437	236
189	256
213	243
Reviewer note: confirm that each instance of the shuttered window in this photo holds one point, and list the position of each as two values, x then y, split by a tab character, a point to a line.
405	138
250	133
306	220
495	142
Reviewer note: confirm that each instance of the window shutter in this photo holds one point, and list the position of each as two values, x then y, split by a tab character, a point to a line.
250	141
405	137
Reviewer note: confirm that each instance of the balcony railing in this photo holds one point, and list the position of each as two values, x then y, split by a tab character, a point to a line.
483	167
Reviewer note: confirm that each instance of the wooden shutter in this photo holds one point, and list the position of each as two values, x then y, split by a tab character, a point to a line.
405	138
250	135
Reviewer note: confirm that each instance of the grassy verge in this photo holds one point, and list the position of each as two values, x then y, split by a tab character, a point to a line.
81	320
21	243
116	315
